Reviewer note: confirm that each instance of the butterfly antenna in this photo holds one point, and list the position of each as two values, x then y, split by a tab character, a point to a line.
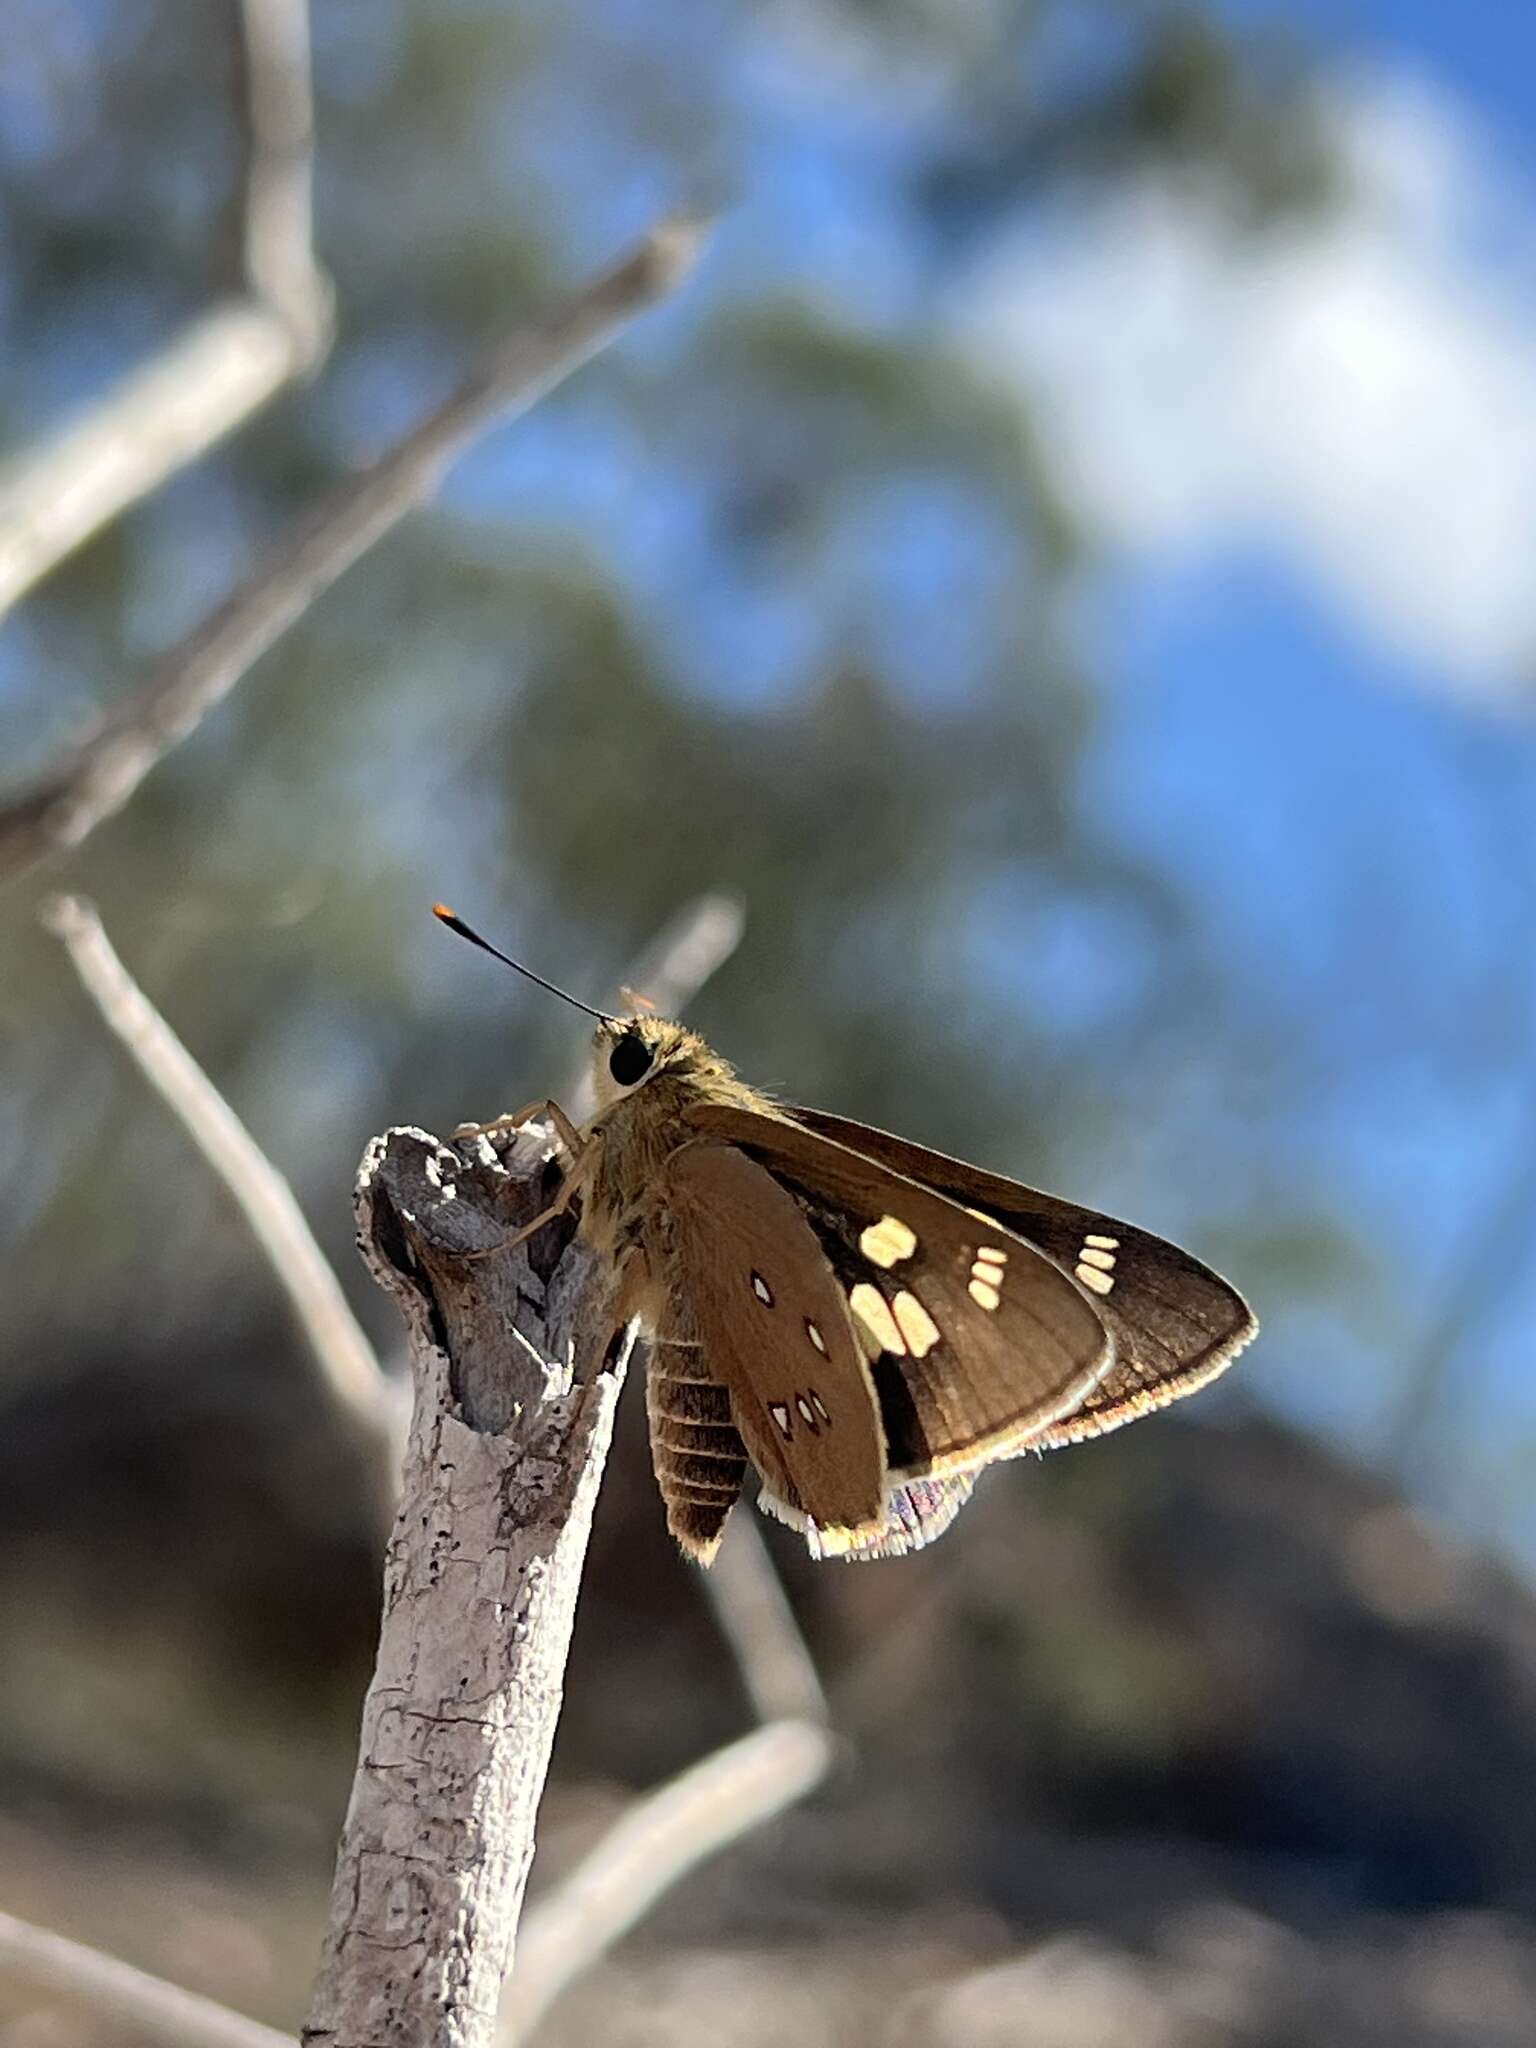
455	923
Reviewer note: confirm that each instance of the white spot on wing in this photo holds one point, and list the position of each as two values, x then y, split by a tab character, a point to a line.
1092	1256
887	1242
780	1413
815	1336
1090	1276
915	1324
984	1294
1102	1244
762	1290
869	1305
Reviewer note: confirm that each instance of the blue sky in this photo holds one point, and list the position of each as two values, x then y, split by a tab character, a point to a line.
1318	636
1485	53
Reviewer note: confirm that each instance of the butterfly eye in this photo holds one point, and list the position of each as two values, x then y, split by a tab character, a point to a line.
630	1060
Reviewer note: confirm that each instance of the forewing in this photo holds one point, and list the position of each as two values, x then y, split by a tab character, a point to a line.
1175	1323
977	1340
776	1330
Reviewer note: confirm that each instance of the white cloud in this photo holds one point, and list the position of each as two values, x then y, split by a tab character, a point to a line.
1356	392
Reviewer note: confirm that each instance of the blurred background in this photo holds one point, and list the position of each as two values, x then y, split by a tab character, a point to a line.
1065	563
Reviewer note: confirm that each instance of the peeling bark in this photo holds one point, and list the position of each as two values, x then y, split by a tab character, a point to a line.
512	1414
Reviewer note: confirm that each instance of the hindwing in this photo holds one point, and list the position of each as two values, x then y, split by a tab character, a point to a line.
916	1512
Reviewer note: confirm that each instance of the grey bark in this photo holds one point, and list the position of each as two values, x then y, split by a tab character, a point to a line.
512	1414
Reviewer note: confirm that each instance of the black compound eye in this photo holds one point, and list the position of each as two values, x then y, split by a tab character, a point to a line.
630	1060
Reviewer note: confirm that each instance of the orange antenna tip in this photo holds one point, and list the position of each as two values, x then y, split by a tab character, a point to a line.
455	923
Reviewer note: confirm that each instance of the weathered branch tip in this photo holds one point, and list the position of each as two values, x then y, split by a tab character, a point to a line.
506	1449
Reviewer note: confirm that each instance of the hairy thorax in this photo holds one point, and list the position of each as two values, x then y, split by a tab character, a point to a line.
624	1175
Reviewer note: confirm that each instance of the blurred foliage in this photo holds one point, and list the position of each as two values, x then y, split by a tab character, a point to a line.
773	592
773	596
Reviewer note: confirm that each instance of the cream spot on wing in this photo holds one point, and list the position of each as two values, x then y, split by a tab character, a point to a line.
984	1294
806	1409
1090	1276
915	1324
1103	1244
869	1305
989	1276
819	1405
1092	1256
815	1336
780	1413
888	1241
991	1255
762	1290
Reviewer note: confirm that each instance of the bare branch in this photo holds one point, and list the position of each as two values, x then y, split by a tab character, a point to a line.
161	417
660	1839
688	952
507	1445
130	1998
218	370
505	1456
756	1619
99	775
280	264
348	1367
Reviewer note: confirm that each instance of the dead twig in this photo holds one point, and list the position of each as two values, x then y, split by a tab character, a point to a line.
131	1999
506	1448
655	1844
513	1409
97	777
347	1365
279	255
756	1619
688	952
222	367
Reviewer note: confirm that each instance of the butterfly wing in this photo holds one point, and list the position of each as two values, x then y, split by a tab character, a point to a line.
1175	1323
776	1330
976	1339
916	1512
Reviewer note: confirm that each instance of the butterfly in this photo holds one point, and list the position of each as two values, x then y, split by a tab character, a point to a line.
864	1322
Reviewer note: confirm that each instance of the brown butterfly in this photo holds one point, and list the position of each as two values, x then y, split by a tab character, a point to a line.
865	1322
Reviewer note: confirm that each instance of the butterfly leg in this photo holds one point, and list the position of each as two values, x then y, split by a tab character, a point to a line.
515	1119
570	1186
558	1207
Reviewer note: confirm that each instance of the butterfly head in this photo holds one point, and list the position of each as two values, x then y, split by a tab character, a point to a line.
628	1053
